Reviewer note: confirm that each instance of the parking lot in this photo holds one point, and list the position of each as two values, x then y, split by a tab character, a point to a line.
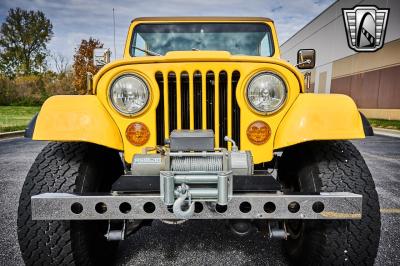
203	242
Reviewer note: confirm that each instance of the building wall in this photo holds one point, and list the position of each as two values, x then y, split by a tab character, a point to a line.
371	79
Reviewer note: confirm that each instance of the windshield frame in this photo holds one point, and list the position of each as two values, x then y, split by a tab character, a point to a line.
268	28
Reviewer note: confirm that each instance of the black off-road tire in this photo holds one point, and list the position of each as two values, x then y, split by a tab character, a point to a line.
67	167
331	166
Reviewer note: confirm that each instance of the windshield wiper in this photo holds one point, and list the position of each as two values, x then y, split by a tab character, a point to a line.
147	51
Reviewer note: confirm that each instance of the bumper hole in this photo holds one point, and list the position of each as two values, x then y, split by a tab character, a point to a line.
294	207
76	208
269	207
101	207
318	207
198	207
149	207
245	207
125	207
221	208
170	208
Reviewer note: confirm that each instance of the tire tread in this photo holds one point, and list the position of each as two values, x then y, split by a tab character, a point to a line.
337	166
60	167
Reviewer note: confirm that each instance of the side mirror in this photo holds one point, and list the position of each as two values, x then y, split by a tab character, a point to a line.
306	59
101	56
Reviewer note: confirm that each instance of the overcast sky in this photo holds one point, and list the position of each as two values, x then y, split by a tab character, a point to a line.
74	20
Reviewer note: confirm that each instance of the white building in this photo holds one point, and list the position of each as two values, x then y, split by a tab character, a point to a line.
372	79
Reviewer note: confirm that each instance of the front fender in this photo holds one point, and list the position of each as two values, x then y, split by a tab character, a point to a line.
77	118
319	117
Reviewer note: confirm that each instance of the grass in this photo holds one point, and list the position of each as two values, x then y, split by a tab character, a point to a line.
392	124
14	118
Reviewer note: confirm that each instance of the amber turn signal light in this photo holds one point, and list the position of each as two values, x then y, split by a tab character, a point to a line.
137	133
258	132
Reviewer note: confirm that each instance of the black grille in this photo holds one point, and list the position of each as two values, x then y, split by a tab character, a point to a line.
198	113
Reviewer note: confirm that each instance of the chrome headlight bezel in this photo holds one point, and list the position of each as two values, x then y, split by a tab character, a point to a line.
282	101
115	105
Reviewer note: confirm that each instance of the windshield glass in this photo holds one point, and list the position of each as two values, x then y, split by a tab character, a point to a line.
236	38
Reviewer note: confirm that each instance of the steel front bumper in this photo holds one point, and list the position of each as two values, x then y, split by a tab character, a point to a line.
64	206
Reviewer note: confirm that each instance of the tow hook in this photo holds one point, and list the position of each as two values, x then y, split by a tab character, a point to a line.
183	192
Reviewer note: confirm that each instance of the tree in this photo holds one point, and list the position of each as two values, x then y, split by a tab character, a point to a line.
23	41
61	63
83	63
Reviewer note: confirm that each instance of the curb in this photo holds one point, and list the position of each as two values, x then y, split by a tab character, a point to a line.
12	134
387	132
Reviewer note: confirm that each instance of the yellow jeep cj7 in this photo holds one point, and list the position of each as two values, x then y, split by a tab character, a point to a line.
200	119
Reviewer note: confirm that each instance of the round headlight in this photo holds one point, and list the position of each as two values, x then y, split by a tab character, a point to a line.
266	92
129	94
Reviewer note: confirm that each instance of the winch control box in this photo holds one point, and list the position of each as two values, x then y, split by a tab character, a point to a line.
192	140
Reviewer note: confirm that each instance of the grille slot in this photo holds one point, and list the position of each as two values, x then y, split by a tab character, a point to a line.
185	101
210	82
160	110
172	99
217	88
235	109
197	100
223	112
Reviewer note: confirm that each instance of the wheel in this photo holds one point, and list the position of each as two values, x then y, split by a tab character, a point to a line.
331	166
67	167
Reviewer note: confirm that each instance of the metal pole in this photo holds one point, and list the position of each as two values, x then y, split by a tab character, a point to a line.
115	50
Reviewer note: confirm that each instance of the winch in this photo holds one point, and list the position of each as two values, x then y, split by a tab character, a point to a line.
190	179
191	170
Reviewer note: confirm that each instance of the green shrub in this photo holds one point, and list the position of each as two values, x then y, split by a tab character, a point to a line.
392	124
33	90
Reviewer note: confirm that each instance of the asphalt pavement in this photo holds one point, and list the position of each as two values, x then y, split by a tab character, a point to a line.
203	242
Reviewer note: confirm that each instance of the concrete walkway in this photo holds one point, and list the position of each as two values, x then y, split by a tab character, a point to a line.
387	132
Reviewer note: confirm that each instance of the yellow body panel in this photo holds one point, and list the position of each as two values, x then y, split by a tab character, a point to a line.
319	117
261	153
191	101
203	102
189	57
77	118
216	110
302	117
229	109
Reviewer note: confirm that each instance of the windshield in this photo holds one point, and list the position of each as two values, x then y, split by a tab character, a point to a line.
236	38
